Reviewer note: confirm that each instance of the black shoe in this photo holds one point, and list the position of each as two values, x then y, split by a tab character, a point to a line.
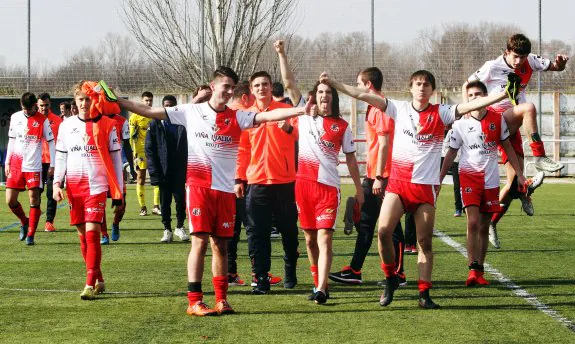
290	280
346	275
426	302
262	287
311	296
319	297
391	284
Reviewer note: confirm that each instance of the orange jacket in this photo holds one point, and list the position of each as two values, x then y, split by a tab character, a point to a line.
55	122
272	159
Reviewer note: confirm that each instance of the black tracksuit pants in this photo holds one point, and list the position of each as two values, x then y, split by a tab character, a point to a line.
167	190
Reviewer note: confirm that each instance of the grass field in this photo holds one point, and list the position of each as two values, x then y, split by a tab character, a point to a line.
40	287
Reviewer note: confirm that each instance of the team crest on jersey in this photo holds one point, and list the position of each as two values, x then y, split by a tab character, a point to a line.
215	127
334	127
86	138
35	124
468	190
492	126
483	137
429	118
196	212
227	121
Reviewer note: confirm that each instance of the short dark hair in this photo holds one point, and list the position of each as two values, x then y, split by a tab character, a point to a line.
334	99
425	75
226	71
72	103
278	89
28	100
199	88
260	74
44	96
477	84
66	104
170	98
519	44
241	89
373	75
147	94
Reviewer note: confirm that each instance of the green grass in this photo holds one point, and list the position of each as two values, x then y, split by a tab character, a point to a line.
537	254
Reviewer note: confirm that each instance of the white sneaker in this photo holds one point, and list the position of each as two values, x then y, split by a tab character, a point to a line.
543	163
167	236
536	182
181	233
526	205
493	239
156	210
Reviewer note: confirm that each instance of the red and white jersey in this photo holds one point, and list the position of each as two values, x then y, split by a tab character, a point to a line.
122	126
320	140
494	75
85	171
477	141
418	140
27	133
213	140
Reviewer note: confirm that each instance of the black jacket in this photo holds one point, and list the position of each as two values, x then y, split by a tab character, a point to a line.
161	168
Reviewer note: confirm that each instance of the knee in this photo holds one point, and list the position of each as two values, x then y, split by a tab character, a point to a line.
425	244
473	225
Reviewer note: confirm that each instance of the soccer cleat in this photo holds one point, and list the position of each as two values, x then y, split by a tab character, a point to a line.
115	232
105	240
350	216
402	279
262	286
108	93
181	233
481	280
426	302
391	284
513	87
100	288
410	249
30	240
407	249
457	213
347	275
167	238
546	164
88	293
200	309
275	233
223	307
535	182
414	249
493	238
526	205
471	279
156	210
144	211
273	280
312	295
235	280
319	297
23	232
49	227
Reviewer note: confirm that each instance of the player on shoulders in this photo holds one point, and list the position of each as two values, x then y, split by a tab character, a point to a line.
478	136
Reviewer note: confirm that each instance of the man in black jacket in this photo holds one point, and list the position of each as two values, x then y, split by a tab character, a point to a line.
167	152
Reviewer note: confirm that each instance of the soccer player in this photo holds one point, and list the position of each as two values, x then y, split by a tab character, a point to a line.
73	108
213	132
47	174
138	129
167	153
317	190
88	155
23	167
477	137
414	179
65	110
518	59
379	133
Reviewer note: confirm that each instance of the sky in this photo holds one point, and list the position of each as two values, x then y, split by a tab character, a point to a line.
61	27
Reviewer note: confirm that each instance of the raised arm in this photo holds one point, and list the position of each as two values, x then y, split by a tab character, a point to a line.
281	114
287	74
143	109
355	92
479	103
559	64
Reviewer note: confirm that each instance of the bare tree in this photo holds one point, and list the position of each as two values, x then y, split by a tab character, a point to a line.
236	32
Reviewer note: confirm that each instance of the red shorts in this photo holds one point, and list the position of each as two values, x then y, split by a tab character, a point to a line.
412	195
517	144
87	208
19	180
474	193
210	211
317	204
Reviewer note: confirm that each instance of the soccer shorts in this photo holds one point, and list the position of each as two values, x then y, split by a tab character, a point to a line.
317	204
19	180
517	144
140	159
210	211
87	208
412	195
474	193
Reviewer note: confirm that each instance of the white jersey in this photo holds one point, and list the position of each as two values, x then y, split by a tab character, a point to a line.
85	170
27	133
213	140
320	140
418	139
477	141
494	75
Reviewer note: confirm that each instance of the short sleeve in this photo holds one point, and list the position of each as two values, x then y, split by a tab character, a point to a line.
538	63
113	143
504	129
245	119
61	143
125	131
301	102
177	115
48	133
348	144
447	113
11	133
391	109
482	74
455	140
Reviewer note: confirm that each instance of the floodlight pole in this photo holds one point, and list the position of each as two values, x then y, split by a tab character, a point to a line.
29	35
203	39
373	34
539	75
